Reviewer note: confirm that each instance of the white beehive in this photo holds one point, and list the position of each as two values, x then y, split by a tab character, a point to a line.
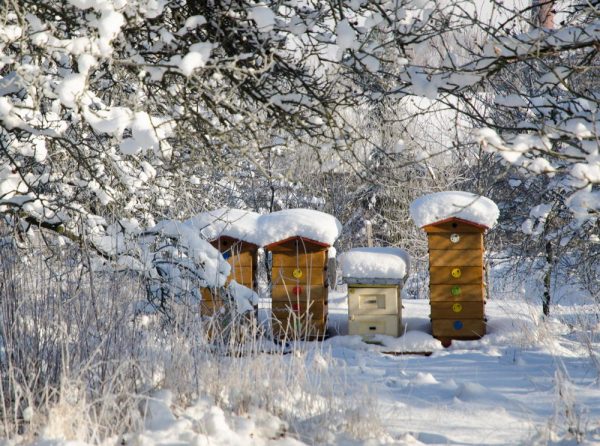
374	277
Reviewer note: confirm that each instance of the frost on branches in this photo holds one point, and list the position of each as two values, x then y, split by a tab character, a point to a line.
117	115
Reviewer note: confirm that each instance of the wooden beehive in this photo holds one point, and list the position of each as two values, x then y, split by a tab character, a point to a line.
299	288
242	256
456	277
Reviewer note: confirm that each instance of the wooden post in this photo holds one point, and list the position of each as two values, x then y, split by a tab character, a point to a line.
369	229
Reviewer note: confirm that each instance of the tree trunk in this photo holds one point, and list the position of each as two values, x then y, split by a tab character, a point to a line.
544	13
547	280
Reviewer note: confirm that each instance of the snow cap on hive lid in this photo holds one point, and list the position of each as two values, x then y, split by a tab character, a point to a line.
306	223
440	206
236	223
375	263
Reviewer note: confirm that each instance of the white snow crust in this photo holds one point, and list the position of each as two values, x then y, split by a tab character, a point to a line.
265	229
306	223
243	297
464	205
375	263
235	223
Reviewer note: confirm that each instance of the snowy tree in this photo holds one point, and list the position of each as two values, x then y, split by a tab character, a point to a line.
119	114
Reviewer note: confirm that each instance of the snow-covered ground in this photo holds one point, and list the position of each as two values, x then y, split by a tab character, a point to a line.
527	382
502	389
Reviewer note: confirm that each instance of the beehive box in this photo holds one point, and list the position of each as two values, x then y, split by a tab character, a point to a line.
456	279
242	256
374	308
299	288
374	276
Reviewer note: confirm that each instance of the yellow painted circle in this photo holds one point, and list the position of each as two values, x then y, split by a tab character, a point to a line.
297	273
456	273
457	308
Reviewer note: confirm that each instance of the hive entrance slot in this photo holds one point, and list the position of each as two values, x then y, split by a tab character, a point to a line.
372	301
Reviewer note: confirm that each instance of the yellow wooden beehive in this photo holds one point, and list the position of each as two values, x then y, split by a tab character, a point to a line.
456	271
242	256
299	288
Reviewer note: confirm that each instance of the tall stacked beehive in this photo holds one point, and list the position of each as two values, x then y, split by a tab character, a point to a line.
374	277
241	255
457	294
299	288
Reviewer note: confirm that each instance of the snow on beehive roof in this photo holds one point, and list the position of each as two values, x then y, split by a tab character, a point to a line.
305	223
236	223
441	206
375	263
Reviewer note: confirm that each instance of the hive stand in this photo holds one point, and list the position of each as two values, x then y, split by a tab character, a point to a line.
457	294
299	288
242	256
374	307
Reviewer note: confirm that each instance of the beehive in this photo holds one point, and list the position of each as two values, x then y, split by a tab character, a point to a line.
374	308
299	288
374	276
241	255
456	278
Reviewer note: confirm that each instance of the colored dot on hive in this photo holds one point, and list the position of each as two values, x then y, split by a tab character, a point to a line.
458	325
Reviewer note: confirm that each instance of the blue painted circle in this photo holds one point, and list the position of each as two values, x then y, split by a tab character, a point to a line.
458	325
226	254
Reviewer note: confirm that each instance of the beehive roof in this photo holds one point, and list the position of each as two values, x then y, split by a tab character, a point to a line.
375	263
228	222
307	224
442	206
269	229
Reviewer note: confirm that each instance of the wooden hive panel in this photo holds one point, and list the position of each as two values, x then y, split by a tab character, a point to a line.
209	304
285	276
468	292
454	257
449	310
241	256
291	327
458	328
317	309
243	276
302	260
441	240
242	259
443	275
292	292
298	292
